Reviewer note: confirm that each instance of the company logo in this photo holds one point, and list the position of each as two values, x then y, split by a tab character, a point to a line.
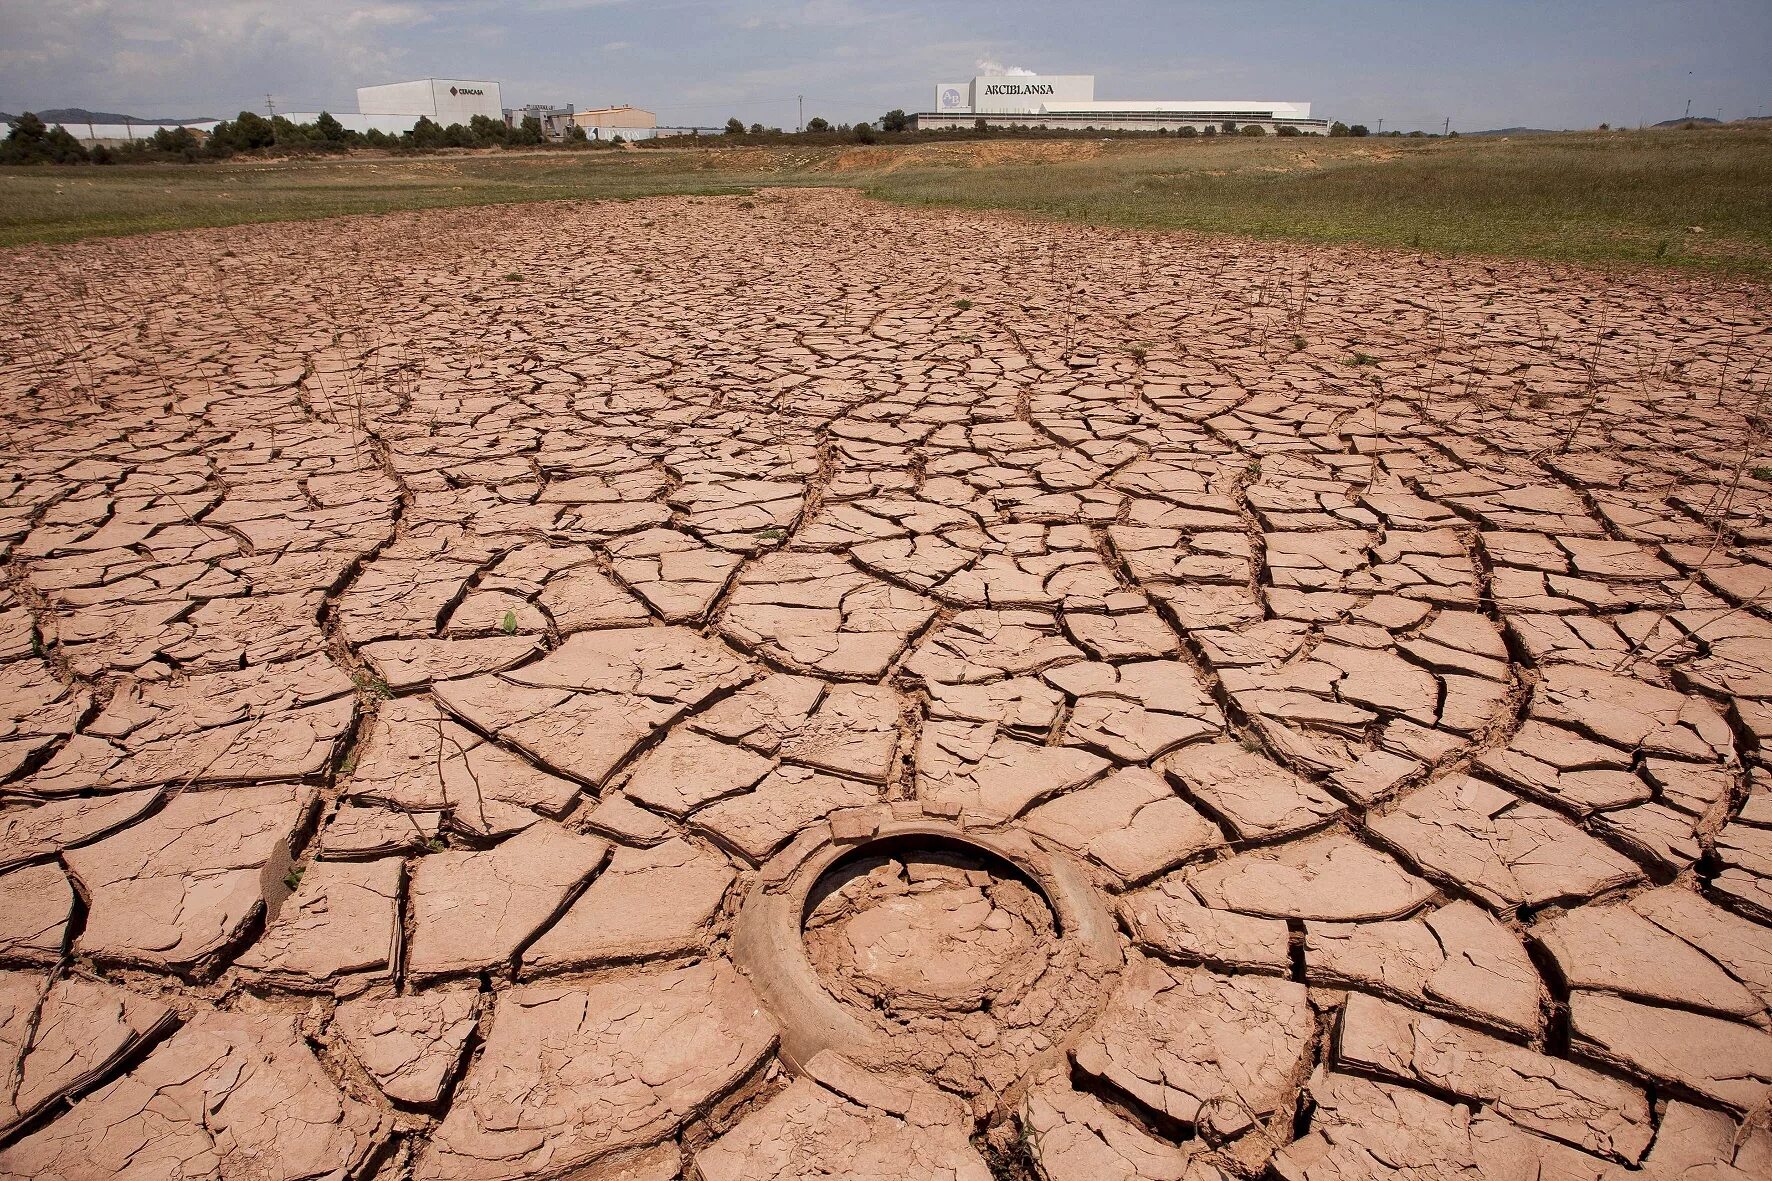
950	97
1030	88
466	90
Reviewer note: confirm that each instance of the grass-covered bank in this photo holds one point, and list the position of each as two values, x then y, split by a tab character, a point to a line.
1700	199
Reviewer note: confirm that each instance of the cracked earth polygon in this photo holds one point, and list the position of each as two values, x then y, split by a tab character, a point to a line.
415	683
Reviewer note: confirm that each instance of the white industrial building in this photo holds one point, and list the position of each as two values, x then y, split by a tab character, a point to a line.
442	100
1068	101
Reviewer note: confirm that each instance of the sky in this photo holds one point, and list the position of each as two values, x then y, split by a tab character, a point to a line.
1413	63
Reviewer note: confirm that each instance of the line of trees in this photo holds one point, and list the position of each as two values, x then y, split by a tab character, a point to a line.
249	133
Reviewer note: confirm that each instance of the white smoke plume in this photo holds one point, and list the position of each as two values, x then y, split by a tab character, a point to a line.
985	65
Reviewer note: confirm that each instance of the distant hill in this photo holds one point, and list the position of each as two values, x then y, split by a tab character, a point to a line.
1515	131
1683	122
82	115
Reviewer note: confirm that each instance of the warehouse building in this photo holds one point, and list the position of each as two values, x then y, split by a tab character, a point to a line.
442	100
1068	101
625	121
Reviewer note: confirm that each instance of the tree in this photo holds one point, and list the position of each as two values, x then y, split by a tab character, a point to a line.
817	124
30	142
1254	130
980	125
247	132
1287	129
1229	127
734	126
456	135
330	131
426	133
173	141
1338	129
1188	131
1358	129
895	120
489	132
528	131
864	134
1209	130
576	134
756	129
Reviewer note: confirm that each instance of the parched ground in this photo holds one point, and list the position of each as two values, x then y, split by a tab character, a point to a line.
420	632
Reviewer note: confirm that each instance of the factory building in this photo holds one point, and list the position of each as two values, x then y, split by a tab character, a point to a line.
1068	101
442	100
609	122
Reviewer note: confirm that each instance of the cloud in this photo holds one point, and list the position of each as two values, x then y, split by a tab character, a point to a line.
985	65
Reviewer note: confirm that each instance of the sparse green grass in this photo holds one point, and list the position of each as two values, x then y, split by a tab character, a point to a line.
1700	199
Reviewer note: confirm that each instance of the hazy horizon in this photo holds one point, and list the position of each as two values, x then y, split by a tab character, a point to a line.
1509	63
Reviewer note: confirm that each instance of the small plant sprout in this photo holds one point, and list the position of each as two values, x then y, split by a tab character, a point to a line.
1362	359
514	276
965	305
292	879
372	685
1137	352
508	624
1762	473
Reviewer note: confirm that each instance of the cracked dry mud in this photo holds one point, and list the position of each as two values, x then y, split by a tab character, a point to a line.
423	637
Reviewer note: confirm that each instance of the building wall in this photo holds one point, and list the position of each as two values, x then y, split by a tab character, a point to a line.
1028	93
432	97
619	117
1153	121
119	133
469	98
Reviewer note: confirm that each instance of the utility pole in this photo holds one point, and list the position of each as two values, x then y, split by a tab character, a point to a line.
801	99
1447	130
1688	113
271	106
1381	127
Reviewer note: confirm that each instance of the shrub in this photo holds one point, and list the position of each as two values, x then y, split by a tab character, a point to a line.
734	127
895	120
817	124
1338	129
577	135
864	134
1287	129
619	140
1358	129
1188	132
1229	127
1254	130
1210	130
101	155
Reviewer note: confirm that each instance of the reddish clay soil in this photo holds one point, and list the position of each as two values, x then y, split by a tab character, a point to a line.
424	637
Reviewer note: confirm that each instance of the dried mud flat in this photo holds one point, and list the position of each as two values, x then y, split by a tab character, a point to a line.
1219	709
